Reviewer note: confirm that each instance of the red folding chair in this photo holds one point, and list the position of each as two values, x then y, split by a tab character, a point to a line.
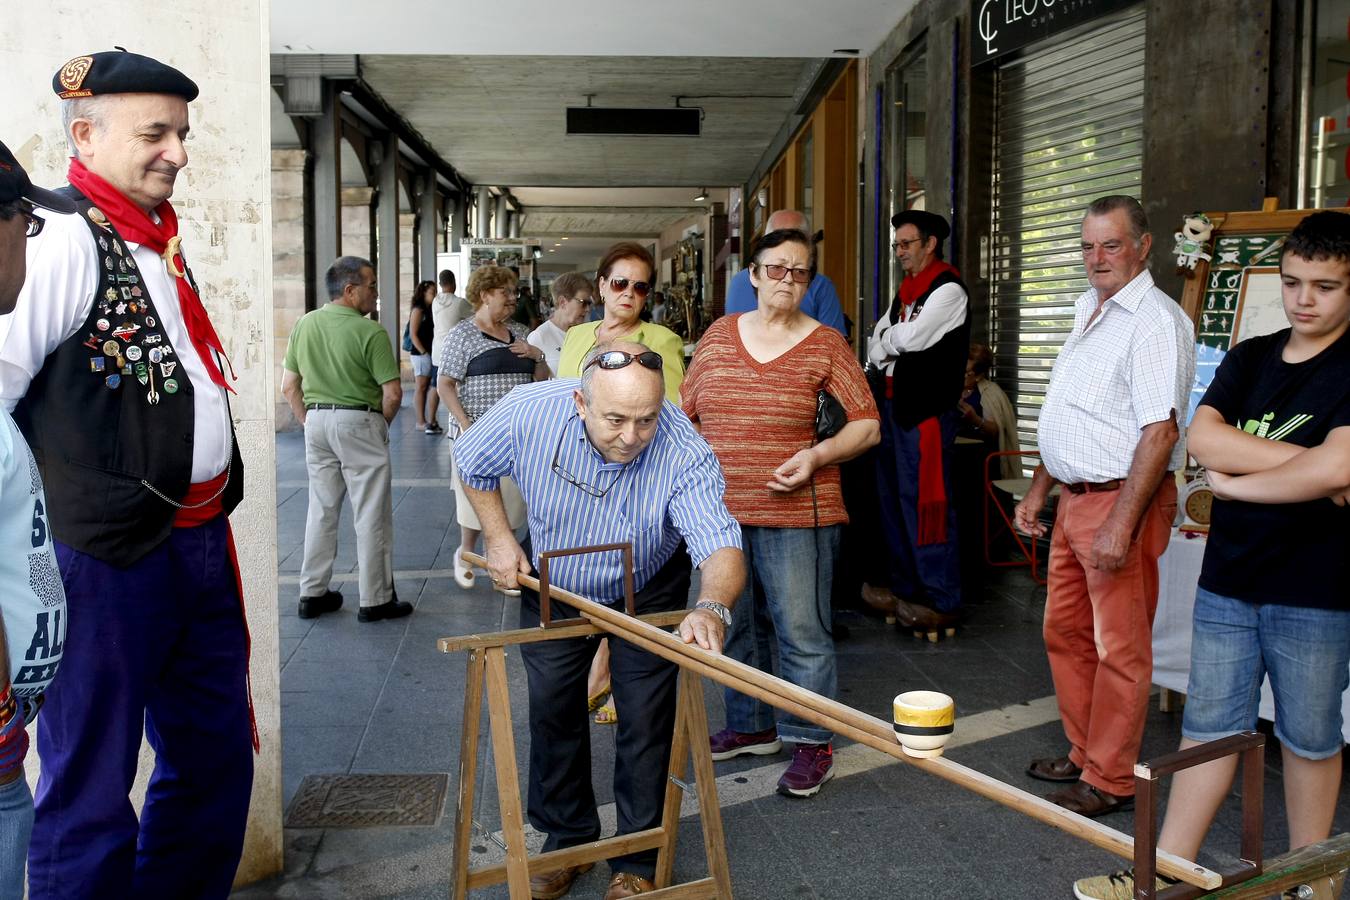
1017	487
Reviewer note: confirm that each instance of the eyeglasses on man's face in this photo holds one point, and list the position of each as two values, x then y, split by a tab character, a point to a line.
618	359
904	244
779	273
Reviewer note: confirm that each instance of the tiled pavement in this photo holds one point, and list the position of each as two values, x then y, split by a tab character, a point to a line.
380	698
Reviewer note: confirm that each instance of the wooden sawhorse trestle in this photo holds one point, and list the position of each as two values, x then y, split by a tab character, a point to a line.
487	668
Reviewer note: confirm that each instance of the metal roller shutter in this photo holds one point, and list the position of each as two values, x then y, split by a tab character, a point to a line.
1070	128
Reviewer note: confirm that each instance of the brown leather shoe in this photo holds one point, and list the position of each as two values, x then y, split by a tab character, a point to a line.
1060	769
626	884
879	599
552	885
1090	801
916	615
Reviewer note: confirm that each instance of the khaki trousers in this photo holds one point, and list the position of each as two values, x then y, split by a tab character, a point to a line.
347	452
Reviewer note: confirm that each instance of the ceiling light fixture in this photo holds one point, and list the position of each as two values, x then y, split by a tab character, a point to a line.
701	195
563	239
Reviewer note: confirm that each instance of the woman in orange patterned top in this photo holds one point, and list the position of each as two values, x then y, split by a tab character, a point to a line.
751	390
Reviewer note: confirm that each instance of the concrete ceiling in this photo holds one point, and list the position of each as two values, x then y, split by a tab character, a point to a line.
804	28
488	90
500	119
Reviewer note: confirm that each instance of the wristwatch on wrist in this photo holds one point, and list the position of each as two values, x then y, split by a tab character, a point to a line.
718	609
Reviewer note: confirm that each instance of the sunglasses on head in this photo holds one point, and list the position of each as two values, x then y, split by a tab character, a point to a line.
640	288
618	359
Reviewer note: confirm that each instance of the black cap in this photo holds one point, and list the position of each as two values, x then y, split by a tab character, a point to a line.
929	223
120	72
14	185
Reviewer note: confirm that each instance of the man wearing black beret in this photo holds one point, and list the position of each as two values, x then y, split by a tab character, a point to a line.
920	347
117	378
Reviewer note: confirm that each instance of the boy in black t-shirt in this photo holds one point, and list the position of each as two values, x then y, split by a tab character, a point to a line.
1273	431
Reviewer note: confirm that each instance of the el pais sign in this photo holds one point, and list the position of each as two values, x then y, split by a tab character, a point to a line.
999	27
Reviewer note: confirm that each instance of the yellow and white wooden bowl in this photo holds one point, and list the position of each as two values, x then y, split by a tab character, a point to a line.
924	721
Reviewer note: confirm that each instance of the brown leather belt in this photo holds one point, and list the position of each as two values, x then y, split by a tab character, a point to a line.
1100	487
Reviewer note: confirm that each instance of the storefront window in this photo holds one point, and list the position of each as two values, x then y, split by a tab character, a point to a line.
1328	137
907	133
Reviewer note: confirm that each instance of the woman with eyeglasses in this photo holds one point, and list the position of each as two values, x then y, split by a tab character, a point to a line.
752	390
482	360
624	277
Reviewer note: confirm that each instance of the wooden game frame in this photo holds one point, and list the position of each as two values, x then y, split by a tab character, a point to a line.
1248	229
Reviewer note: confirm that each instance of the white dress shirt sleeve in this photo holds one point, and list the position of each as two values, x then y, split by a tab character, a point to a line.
56	298
944	310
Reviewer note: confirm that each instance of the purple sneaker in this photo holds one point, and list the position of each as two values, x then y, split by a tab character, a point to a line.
727	743
812	765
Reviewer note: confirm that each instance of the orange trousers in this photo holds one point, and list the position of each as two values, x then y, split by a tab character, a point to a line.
1099	633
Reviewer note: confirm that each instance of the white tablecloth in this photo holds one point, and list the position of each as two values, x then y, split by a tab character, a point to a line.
1178	574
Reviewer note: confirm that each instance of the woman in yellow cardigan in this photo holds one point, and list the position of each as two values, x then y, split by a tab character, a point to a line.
625	279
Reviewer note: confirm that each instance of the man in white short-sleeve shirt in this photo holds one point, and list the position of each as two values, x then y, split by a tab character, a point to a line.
1111	432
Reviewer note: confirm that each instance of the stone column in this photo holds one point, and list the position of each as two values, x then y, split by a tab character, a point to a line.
429	224
225	212
386	239
288	263
326	145
459	204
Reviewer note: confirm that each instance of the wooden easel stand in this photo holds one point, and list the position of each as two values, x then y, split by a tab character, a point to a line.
487	668
856	726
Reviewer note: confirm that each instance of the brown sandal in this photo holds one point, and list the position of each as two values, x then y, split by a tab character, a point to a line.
1060	771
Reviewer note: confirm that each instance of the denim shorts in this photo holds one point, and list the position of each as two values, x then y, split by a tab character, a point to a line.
421	364
1306	652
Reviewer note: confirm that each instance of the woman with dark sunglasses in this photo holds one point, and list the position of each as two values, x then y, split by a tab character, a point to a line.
624	277
752	390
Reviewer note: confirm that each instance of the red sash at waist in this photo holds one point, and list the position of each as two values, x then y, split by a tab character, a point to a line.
202	503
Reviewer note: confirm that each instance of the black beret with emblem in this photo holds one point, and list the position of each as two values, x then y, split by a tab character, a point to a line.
929	223
120	72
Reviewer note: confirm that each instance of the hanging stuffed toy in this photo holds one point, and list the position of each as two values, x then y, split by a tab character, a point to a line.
1192	240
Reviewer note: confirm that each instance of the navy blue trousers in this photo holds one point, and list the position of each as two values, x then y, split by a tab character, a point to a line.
561	799
159	647
932	573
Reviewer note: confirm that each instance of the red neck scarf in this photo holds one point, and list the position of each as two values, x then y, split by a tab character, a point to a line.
915	286
133	224
932	505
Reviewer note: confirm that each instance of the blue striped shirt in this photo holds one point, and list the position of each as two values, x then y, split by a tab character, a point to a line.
672	491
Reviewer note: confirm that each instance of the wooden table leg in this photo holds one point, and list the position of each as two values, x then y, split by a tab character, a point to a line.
679	763
468	773
705	777
508	781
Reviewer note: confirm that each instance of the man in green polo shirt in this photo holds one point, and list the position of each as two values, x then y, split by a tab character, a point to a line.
341	380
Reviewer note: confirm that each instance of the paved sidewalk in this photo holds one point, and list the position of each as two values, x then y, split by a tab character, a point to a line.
380	698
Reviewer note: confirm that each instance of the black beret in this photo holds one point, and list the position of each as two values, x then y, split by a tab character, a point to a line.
929	223
120	72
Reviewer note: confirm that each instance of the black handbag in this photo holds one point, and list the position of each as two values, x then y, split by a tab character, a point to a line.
830	415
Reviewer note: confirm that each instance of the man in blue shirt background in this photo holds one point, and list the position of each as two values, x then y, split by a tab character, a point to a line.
821	301
600	461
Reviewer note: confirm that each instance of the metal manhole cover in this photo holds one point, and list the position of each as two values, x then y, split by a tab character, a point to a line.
367	801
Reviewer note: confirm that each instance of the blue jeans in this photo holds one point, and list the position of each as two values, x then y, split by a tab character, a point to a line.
16	824
787	594
1306	651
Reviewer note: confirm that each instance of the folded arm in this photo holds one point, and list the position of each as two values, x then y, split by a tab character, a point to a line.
1315	473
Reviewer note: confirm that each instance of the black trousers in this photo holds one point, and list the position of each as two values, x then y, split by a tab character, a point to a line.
561	800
